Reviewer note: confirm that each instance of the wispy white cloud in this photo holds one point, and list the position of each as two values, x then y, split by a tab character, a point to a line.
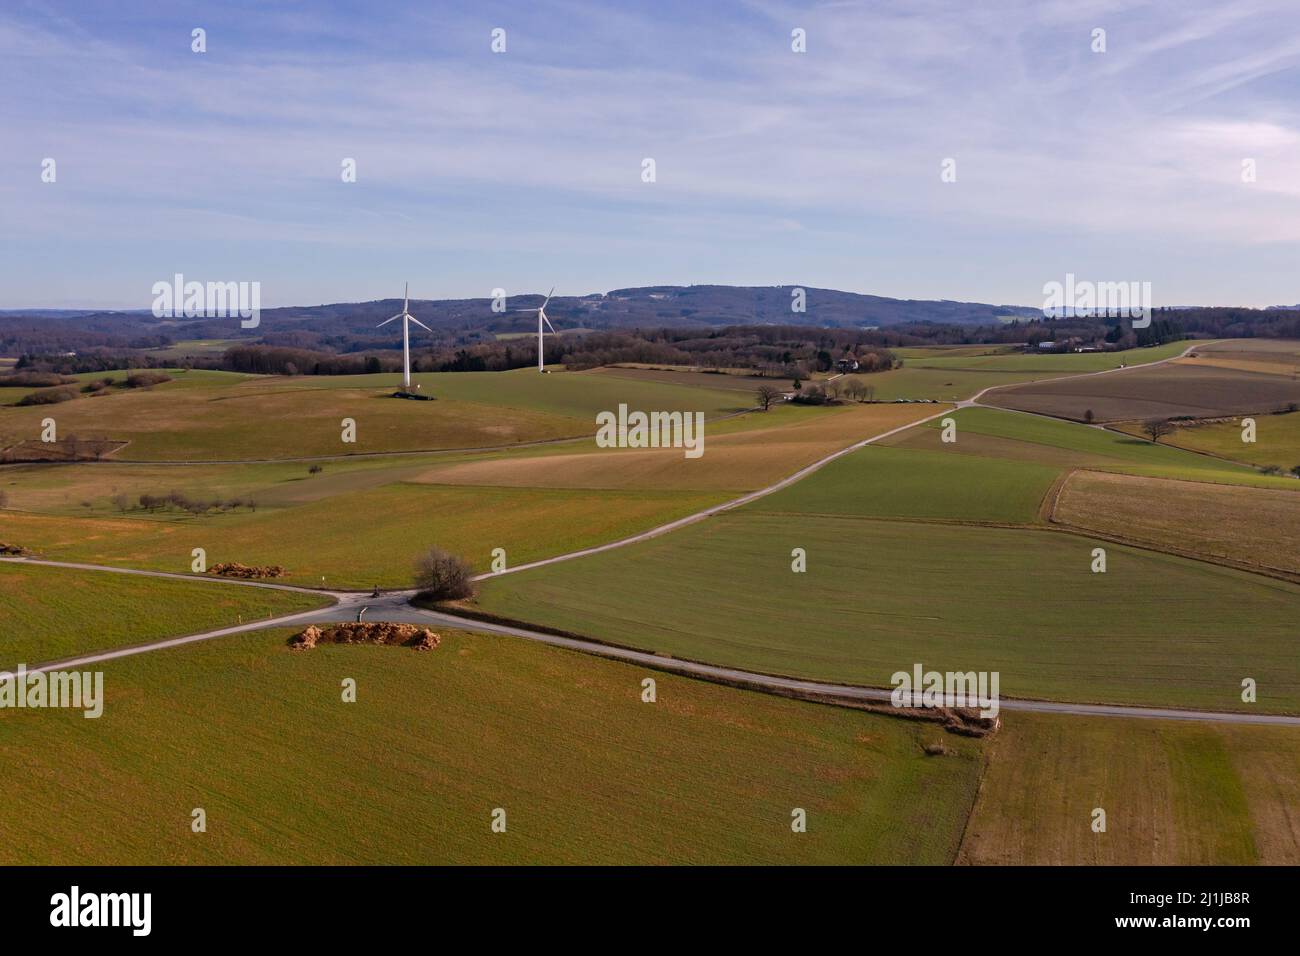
1132	155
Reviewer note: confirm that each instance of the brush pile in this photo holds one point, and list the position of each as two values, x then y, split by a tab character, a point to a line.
234	569
377	632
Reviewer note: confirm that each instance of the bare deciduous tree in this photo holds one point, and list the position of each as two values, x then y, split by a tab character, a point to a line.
442	576
855	389
1157	428
768	395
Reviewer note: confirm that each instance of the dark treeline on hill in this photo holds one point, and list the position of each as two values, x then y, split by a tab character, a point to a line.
764	348
657	325
350	327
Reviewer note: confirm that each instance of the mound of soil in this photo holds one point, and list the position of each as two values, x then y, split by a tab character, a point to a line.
12	549
234	569
367	632
967	722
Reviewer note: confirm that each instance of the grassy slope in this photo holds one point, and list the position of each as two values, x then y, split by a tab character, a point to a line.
256	419
53	613
1174	793
578	395
256	735
88	489
881	595
220	416
361	538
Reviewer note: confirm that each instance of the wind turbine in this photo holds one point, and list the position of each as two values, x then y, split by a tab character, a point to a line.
407	318
541	317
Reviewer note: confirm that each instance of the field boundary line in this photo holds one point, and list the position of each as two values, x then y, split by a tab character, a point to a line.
1263	570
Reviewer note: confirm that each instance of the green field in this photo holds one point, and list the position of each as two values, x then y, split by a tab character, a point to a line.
54	613
896	483
578	395
992	359
951	374
257	736
994	433
1174	794
878	596
193	348
88	489
1277	440
219	416
362	538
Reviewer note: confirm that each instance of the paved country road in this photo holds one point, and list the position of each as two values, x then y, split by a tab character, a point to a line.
395	606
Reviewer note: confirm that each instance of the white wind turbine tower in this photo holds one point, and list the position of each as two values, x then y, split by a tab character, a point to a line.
407	318
541	317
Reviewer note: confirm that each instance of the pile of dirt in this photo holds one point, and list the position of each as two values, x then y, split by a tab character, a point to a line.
967	722
12	549
366	632
234	569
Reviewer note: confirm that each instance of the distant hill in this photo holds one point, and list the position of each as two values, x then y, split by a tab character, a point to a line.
350	327
649	306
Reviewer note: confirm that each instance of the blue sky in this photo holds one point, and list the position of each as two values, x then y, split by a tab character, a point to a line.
522	170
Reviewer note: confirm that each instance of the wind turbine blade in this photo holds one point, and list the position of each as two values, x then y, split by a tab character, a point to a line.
548	323
386	321
419	323
548	296
406	298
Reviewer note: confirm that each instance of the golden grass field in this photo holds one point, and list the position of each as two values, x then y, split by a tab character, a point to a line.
739	461
1250	527
1174	793
1270	356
